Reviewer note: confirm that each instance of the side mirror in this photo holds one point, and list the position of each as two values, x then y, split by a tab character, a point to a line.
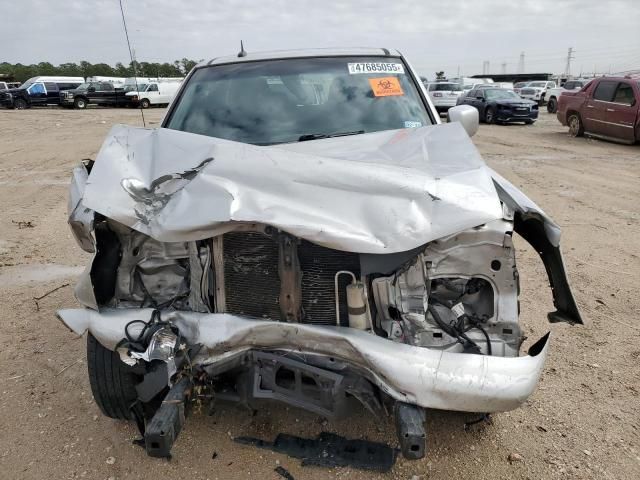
467	116
480	98
92	89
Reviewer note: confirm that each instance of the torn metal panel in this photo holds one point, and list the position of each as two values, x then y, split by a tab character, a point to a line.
424	377
381	192
80	217
543	234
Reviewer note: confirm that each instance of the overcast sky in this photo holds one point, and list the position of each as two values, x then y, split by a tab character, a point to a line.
434	35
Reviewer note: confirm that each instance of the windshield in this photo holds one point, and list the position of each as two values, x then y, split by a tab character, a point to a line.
449	87
84	86
281	101
500	94
537	84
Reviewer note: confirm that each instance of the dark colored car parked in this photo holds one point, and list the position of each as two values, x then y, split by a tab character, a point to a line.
97	93
36	91
499	105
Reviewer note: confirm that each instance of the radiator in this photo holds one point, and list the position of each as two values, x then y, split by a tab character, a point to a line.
252	285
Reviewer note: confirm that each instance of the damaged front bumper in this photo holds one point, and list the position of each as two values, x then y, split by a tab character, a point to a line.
425	377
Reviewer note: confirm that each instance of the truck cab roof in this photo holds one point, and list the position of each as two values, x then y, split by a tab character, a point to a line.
303	53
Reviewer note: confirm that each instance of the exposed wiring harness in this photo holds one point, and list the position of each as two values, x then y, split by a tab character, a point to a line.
458	329
139	342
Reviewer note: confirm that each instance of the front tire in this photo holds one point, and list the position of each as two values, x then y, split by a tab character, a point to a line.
112	382
145	103
552	106
20	104
80	103
489	115
576	128
528	122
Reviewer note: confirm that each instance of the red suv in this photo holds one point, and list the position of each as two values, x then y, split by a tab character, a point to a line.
607	107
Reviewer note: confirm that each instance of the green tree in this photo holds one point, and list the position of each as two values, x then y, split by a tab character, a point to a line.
187	65
21	73
102	70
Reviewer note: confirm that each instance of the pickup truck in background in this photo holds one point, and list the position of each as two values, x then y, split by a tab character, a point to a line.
98	93
537	91
8	85
607	107
38	91
553	94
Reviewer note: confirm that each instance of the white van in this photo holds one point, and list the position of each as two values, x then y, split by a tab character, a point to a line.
153	93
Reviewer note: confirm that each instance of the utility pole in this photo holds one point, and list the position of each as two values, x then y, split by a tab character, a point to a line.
567	68
521	63
503	68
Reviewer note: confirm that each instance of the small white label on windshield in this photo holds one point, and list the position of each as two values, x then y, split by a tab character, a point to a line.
355	68
412	124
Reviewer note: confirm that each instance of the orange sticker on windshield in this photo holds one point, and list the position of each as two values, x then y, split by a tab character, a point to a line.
386	86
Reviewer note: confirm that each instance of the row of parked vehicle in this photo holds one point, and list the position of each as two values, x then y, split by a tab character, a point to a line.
495	102
605	107
75	92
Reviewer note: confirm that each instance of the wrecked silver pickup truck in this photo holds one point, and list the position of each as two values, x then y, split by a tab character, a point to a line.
303	229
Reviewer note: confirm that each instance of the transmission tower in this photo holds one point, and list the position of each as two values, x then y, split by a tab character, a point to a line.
521	63
567	68
485	67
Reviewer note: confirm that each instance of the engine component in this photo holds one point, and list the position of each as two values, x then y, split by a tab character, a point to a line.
251	280
356	302
255	283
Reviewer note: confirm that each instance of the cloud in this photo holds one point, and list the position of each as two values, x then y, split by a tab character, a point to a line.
433	34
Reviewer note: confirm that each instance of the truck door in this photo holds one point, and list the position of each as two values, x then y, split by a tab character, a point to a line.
37	94
107	93
622	112
595	105
92	93
53	92
152	93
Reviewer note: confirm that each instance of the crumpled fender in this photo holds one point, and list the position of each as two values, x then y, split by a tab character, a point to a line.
543	234
426	377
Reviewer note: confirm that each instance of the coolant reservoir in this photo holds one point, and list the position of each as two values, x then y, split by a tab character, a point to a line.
357	306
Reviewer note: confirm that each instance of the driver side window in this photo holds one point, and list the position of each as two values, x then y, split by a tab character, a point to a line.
36	88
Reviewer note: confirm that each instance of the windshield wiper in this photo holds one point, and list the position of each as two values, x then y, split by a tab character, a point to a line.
316	136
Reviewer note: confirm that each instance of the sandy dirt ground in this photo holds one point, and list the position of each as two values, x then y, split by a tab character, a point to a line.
582	422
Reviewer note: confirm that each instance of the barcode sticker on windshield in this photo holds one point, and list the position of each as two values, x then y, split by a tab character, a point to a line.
355	68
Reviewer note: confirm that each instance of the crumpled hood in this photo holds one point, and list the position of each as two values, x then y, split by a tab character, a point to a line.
381	192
